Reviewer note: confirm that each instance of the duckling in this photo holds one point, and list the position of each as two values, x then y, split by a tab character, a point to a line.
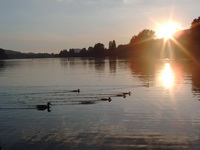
127	93
106	99
43	107
87	102
121	95
76	91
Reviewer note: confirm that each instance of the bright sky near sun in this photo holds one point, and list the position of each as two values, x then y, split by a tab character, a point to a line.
53	25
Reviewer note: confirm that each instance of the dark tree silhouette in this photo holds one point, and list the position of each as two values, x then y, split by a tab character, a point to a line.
83	52
195	23
99	50
143	37
112	48
63	53
3	54
195	37
145	45
72	53
90	51
141	44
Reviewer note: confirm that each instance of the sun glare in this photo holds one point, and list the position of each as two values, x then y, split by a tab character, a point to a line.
167	30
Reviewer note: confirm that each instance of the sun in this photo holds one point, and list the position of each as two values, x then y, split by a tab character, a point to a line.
167	30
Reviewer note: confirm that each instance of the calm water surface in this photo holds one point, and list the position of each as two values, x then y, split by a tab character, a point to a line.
162	111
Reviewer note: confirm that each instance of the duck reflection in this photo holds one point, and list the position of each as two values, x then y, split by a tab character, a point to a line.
87	102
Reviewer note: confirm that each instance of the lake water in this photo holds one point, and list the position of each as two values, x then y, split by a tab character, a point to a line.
162	111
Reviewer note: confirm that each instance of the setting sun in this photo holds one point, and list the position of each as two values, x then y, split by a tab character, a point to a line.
167	30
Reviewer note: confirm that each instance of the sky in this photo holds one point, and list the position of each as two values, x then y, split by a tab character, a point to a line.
53	25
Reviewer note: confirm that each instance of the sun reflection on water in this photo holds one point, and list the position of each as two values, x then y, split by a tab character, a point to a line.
167	76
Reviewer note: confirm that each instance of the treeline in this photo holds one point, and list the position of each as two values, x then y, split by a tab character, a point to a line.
31	55
138	44
186	44
3	54
9	54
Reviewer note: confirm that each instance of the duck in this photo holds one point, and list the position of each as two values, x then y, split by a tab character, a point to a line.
121	95
127	93
106	99
76	90
147	85
87	102
43	107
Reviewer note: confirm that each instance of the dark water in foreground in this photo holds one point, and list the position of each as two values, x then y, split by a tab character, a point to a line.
162	111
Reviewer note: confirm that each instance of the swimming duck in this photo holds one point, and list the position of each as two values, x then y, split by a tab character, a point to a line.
43	107
87	102
121	95
127	93
106	99
147	85
76	91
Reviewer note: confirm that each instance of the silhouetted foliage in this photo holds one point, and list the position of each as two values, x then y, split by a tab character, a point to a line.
99	50
112	48
141	45
72	53
195	37
83	53
188	41
146	46
143	37
195	23
64	53
186	44
3	54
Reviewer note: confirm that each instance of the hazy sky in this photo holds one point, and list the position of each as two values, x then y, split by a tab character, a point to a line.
53	25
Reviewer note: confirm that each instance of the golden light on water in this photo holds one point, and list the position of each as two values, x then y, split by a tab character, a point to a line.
167	76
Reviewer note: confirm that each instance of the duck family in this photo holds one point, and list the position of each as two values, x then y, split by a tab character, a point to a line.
47	106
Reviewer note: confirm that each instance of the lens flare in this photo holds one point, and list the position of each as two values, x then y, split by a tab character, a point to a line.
167	30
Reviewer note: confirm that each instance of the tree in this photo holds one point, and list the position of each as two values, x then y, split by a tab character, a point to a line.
141	45
112	45
143	36
112	48
91	51
195	37
3	54
64	53
195	23
72	53
99	50
83	52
